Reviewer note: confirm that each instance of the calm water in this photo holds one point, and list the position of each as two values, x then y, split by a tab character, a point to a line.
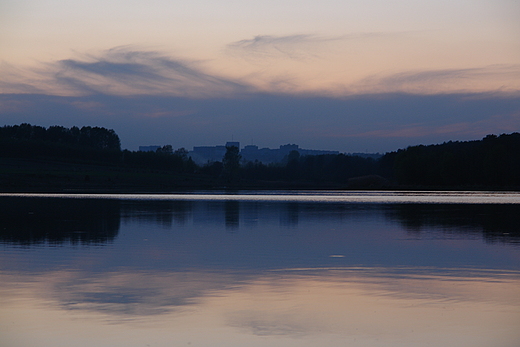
260	269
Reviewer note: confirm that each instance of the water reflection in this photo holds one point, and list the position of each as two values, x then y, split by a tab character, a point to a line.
232	214
497	223
158	212
303	307
257	273
130	293
291	214
29	221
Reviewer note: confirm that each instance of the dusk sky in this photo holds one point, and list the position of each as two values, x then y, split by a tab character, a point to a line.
350	75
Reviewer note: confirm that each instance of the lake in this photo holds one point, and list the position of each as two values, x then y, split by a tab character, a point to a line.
286	268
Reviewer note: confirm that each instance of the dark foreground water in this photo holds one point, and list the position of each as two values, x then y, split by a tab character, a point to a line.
260	269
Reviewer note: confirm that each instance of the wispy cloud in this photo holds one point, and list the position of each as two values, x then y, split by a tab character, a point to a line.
355	64
121	71
132	71
263	47
504	78
18	80
295	47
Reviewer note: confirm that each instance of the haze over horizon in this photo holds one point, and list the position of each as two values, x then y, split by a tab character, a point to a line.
351	76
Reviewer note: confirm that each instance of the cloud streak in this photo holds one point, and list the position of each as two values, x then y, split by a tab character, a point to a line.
298	47
261	47
122	71
502	78
129	71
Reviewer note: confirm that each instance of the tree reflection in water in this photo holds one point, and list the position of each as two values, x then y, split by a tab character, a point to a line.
290	273
27	221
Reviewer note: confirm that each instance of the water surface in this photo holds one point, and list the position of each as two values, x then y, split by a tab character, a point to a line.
260	269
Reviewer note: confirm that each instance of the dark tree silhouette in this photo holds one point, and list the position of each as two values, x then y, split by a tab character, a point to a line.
87	143
231	164
493	161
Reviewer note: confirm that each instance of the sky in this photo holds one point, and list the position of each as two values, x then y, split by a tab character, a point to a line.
350	75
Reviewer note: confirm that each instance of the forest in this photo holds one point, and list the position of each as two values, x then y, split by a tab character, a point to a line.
92	157
492	161
86	143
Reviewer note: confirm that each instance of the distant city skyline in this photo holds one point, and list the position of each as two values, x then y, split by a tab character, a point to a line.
207	154
351	76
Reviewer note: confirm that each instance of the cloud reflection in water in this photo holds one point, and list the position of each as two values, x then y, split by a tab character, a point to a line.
256	273
402	305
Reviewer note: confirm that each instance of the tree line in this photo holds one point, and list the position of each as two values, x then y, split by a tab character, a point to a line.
493	161
86	145
31	141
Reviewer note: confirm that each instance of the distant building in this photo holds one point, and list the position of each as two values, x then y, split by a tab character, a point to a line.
207	154
267	155
250	153
288	148
249	150
148	148
233	144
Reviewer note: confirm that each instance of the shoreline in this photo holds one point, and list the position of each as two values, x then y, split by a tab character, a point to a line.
46	176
